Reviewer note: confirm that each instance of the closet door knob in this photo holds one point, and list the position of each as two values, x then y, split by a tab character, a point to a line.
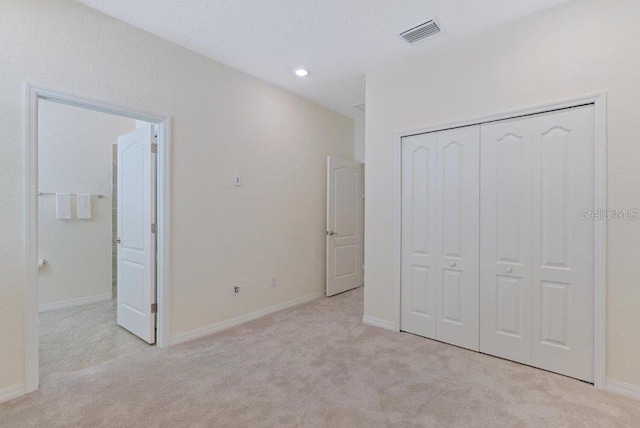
509	270
118	240
452	264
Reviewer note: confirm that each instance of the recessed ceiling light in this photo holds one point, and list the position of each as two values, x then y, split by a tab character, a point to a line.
301	72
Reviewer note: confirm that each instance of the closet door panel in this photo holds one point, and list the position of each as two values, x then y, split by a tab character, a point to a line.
505	237
457	293
563	285
419	250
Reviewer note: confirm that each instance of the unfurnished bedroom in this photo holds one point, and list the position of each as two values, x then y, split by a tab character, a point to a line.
321	213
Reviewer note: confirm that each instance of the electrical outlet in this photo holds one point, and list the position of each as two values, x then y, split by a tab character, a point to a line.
236	288
274	281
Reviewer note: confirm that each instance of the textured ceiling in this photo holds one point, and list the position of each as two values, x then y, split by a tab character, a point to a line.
337	40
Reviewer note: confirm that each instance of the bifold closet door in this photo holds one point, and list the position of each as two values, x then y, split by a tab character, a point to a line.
563	242
440	260
457	284
419	226
505	237
537	282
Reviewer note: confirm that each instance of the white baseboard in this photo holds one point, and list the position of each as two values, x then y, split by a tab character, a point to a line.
379	322
11	392
223	325
44	307
623	388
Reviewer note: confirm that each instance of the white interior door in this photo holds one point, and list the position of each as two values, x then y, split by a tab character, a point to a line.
457	283
344	218
563	275
505	236
136	240
419	235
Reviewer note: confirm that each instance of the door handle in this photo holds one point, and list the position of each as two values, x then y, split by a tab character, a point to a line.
118	240
509	270
331	233
452	264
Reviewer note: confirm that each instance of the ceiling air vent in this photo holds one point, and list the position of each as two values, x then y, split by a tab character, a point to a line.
420	31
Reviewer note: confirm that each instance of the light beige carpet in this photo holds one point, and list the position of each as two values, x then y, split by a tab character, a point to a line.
315	365
82	336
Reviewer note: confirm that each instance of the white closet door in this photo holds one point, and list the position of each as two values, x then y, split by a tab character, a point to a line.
563	282
505	236
419	222
457	288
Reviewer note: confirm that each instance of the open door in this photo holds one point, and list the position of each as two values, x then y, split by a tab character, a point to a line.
136	233
344	218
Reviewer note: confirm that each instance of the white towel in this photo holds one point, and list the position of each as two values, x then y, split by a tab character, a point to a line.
83	206
63	206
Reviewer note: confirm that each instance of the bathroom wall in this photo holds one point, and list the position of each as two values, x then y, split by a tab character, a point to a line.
75	156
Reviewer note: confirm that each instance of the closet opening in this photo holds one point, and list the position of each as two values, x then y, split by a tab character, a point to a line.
493	251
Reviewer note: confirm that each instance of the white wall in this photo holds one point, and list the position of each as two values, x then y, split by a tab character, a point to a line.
580	48
359	140
358	155
224	123
75	156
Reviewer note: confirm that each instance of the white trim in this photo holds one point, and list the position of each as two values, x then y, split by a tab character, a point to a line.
623	388
62	304
525	111
11	392
32	95
30	301
233	322
600	250
600	244
163	201
379	322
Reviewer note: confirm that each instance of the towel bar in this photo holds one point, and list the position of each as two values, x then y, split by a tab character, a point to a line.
99	195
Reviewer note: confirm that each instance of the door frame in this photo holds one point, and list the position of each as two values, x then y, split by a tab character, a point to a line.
32	94
599	101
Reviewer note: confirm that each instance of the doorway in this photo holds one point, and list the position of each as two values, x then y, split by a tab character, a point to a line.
96	236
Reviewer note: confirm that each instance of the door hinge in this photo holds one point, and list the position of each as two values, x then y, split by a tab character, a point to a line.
154	147
154	308
154	228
